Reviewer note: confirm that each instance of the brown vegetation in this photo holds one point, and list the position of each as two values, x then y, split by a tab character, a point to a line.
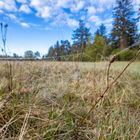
49	100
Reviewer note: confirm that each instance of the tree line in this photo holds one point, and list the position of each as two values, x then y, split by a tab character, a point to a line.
123	34
85	47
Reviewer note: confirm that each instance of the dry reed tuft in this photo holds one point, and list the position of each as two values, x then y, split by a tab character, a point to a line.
48	100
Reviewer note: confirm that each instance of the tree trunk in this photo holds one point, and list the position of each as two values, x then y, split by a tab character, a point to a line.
123	42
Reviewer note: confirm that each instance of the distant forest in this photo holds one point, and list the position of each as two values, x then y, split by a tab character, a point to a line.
123	34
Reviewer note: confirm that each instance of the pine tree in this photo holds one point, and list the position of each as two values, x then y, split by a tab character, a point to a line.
57	49
124	32
51	52
80	36
139	19
101	31
139	13
65	47
37	55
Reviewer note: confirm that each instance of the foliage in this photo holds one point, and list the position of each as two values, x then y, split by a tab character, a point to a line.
51	52
37	54
60	49
98	49
128	55
28	54
81	35
15	55
101	31
124	32
31	55
139	13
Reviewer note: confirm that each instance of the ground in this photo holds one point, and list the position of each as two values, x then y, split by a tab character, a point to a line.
55	101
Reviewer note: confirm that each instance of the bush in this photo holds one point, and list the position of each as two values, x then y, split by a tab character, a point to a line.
126	55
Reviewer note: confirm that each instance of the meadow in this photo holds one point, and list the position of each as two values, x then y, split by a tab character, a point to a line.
54	101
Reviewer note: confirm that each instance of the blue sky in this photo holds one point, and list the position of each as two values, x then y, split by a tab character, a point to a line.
38	24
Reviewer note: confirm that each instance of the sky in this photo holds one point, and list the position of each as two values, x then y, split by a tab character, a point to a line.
37	24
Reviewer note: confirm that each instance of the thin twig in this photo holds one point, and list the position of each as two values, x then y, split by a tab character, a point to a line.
109	86
108	69
22	132
137	133
4	101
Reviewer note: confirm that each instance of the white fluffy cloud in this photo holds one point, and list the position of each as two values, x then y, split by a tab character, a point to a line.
18	20
46	10
63	3
91	10
54	9
12	17
25	8
24	24
72	22
78	6
42	8
95	19
64	12
8	5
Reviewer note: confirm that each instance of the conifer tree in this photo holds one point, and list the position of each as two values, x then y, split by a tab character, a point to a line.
124	32
81	35
101	31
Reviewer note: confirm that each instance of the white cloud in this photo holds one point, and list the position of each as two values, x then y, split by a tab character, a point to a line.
63	3
108	24
22	1
12	17
1	4
108	21
8	5
139	25
42	8
91	10
56	11
105	4
24	24
19	21
25	8
136	1
45	9
78	6
39	3
44	12
136	4
72	22
100	10
95	19
1	12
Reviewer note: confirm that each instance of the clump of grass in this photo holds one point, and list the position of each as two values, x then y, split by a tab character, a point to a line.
48	102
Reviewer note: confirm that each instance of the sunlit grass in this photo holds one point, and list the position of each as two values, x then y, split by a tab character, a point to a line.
49	99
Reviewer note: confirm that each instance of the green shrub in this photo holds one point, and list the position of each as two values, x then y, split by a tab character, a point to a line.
128	55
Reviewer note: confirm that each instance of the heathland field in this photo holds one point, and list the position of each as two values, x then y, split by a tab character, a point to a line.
69	101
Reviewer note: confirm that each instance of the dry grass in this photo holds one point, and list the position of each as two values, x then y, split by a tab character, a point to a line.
49	99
